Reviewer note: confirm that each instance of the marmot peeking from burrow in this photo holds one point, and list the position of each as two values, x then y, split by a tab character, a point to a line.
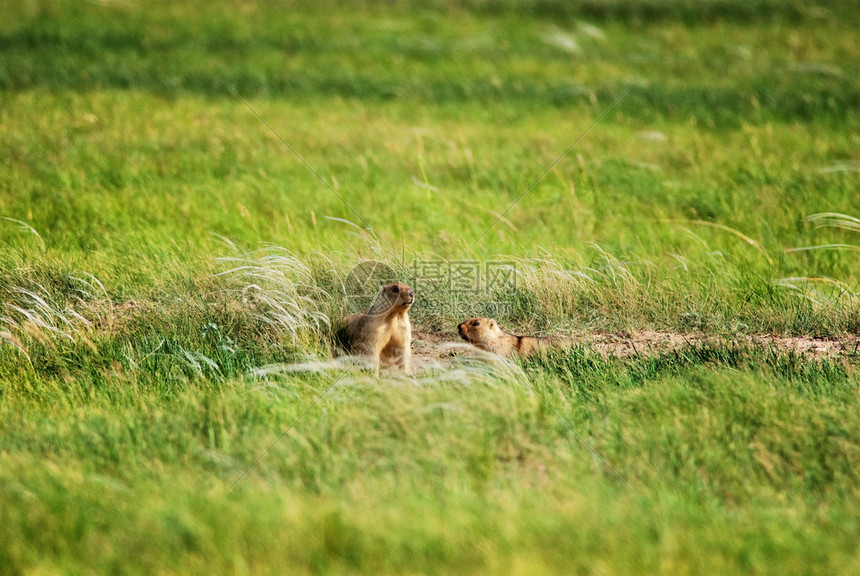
486	334
383	334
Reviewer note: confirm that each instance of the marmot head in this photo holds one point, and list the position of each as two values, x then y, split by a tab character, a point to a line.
394	298
479	331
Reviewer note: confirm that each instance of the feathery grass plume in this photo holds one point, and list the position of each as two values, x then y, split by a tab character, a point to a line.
200	365
10	339
472	367
37	314
832	220
835	220
92	296
849	166
280	287
26	228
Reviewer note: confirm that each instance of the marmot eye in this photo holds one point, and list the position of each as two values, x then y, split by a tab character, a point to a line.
395	289
476	323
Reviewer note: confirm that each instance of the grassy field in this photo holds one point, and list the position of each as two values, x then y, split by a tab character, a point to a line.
187	189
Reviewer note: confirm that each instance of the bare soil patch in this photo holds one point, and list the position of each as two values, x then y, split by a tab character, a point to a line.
646	342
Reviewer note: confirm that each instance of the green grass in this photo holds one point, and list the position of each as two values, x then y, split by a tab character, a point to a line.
727	470
185	189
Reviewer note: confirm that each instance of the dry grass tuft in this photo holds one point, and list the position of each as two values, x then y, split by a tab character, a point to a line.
280	287
35	314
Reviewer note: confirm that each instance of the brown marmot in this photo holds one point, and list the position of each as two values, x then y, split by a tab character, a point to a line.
486	334
383	334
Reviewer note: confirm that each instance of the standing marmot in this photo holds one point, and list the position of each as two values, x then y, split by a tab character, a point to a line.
486	334
383	334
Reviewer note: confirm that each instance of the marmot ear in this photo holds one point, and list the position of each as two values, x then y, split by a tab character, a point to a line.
493	323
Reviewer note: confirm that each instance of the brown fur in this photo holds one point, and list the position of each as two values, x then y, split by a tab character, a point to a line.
486	334
383	335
